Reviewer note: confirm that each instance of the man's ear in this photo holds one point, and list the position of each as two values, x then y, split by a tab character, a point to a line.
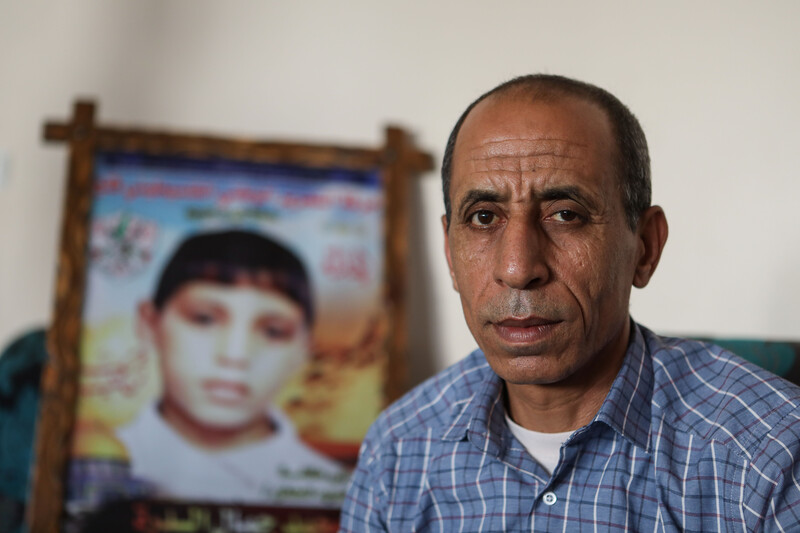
653	231
445	227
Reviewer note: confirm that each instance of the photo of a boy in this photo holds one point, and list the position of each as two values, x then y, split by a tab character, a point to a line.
230	321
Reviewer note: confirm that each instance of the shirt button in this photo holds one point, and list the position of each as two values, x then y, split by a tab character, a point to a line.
549	498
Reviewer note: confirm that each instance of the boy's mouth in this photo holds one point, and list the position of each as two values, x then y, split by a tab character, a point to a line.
226	392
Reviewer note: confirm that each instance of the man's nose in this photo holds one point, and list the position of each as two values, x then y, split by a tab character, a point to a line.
520	261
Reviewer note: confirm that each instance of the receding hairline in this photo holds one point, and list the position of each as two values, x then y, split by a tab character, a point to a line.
550	90
534	97
539	92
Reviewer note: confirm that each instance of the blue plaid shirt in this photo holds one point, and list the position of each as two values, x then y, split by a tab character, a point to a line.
690	437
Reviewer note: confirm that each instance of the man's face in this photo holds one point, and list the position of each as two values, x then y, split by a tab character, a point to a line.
538	244
225	350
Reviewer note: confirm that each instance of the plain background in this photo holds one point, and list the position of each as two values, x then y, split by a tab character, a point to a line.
715	85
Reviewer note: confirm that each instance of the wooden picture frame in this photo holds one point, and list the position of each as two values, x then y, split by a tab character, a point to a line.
107	161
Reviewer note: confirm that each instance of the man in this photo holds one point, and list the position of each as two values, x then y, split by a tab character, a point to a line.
571	416
231	321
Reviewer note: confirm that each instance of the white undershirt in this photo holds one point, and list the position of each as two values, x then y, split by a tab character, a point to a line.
544	447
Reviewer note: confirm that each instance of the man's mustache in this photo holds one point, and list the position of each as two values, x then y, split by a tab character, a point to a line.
520	305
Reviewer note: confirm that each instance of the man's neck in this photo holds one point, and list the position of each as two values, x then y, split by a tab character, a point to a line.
571	403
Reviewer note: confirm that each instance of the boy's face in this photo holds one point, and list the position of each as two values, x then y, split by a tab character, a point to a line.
225	350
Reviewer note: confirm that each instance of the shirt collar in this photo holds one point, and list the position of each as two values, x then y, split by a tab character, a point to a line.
481	417
626	408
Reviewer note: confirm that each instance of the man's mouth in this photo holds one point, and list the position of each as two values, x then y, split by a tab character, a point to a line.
524	330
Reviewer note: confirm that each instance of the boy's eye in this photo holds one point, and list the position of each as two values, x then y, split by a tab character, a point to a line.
201	318
278	329
483	218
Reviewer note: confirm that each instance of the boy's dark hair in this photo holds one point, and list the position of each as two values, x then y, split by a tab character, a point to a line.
233	257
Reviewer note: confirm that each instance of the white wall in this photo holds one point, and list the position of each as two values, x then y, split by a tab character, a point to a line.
715	85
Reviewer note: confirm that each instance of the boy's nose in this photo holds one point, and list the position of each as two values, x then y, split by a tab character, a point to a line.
234	350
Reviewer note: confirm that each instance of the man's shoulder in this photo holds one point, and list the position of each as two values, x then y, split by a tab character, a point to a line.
437	402
713	393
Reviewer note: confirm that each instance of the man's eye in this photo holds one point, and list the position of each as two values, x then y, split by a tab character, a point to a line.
483	218
565	215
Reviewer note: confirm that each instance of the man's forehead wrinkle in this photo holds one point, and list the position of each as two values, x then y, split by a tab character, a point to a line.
520	147
524	156
524	164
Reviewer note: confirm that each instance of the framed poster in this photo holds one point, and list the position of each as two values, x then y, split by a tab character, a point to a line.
229	321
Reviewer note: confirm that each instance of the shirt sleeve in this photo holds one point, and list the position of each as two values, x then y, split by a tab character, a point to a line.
779	508
363	509
784	512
